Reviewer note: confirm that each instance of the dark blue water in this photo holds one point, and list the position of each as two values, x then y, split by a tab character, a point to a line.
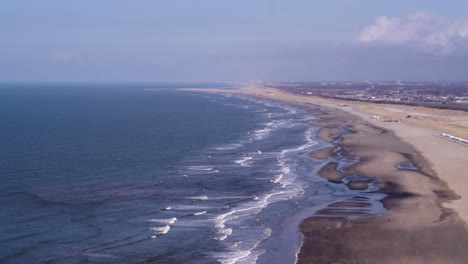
149	174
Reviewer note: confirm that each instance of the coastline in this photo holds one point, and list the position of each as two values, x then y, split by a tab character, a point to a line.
415	228
424	218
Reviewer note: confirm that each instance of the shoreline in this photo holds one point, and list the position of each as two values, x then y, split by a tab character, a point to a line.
422	223
331	236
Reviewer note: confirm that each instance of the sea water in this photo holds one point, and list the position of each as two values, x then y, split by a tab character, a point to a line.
133	173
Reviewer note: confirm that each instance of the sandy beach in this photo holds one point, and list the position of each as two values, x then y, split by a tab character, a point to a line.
417	228
427	207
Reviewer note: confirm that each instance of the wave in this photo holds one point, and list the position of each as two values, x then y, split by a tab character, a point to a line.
233	257
200	213
159	231
202	197
309	143
250	208
229	146
223	234
227	224
285	177
244	160
190	208
239	225
241	252
164	221
277	179
200	168
261	133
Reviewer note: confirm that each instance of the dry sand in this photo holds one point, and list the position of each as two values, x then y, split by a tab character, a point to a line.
427	208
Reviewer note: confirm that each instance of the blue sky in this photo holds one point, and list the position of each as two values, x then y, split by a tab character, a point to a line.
242	40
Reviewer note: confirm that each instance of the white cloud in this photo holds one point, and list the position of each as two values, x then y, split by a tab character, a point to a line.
429	32
459	28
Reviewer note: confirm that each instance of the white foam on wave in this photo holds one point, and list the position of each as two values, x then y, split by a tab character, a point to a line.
200	213
261	133
229	146
201	197
285	177
308	138
233	225
298	250
233	257
200	168
190	208
164	221
244	160
309	143
242	252
250	208
281	123
223	234
278	178
159	231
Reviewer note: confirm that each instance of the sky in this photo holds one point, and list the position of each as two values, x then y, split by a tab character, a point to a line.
242	40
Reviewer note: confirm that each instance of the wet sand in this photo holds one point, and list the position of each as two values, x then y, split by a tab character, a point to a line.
424	218
322	153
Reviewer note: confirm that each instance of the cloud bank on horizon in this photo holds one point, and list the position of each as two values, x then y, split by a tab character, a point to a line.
432	33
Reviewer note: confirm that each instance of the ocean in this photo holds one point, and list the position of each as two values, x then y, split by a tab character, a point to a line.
146	173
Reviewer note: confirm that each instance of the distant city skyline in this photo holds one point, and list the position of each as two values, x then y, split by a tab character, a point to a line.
221	41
